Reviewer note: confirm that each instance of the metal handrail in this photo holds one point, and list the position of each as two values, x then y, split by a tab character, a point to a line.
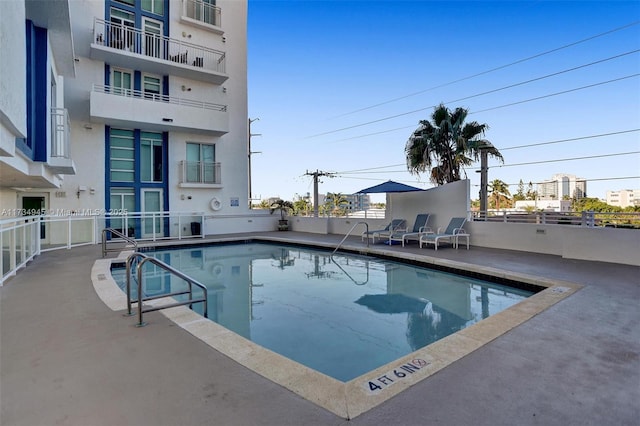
340	243
156	97
140	42
119	234
190	281
349	233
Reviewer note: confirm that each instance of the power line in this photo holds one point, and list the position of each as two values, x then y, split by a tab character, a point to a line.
493	69
570	140
481	94
556	93
566	159
590	157
501	149
582	179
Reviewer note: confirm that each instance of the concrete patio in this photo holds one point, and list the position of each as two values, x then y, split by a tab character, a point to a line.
67	359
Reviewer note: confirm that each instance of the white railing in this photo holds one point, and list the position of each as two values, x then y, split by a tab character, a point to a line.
60	126
154	226
202	12
138	42
585	218
200	172
19	243
23	238
119	91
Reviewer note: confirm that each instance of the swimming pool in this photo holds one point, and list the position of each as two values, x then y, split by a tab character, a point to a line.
343	316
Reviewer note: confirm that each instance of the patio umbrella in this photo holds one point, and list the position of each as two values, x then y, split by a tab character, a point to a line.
393	303
388	186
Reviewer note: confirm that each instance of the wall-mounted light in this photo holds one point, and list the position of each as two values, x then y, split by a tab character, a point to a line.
88	126
224	39
224	90
185	88
81	188
167	120
184	34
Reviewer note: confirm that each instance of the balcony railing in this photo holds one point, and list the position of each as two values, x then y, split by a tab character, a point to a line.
60	133
119	91
587	219
150	45
201	172
202	12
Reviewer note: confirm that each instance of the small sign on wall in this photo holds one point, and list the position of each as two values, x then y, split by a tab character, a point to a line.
235	202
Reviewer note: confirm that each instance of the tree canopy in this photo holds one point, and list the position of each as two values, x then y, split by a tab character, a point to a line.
446	144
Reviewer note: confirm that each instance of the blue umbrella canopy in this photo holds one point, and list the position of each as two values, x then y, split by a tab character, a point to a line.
388	186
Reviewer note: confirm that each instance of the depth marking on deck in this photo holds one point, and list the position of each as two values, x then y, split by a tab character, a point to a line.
376	385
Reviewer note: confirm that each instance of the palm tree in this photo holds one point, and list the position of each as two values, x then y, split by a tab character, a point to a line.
283	206
335	201
445	144
499	190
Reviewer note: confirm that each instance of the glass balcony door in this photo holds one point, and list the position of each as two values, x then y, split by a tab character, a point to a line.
152	39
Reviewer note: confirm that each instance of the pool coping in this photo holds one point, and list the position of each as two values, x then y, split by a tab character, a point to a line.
352	398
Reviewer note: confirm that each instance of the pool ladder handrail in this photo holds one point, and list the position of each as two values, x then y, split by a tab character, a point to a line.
130	240
349	233
170	269
340	243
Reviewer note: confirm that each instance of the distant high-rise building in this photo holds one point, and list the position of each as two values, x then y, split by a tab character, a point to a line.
624	198
358	202
562	185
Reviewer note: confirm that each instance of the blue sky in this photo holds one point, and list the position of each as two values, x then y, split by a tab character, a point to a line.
338	86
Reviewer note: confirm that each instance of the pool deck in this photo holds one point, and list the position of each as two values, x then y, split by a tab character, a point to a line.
66	358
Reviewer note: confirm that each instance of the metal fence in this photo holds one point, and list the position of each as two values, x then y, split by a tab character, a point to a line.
23	238
588	219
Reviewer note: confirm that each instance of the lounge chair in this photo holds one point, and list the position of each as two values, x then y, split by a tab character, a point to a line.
419	227
453	232
394	226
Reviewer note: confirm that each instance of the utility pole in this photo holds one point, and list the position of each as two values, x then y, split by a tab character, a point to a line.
483	146
316	175
249	153
484	174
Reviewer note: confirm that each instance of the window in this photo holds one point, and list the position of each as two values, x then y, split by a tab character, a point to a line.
121	200
151	87
151	157
121	82
152	37
200	164
121	155
122	29
153	6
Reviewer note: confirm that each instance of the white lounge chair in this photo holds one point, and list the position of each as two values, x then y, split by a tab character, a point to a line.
453	232
419	227
393	226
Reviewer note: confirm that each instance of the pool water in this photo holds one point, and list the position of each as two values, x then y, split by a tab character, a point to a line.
342	317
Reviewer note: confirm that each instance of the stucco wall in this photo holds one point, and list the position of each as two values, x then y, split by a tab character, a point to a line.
13	84
442	203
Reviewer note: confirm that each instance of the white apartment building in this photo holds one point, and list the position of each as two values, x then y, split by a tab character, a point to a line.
624	198
562	185
36	48
134	105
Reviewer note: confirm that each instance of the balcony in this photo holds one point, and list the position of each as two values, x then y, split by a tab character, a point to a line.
60	161
135	49
134	109
202	15
200	174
